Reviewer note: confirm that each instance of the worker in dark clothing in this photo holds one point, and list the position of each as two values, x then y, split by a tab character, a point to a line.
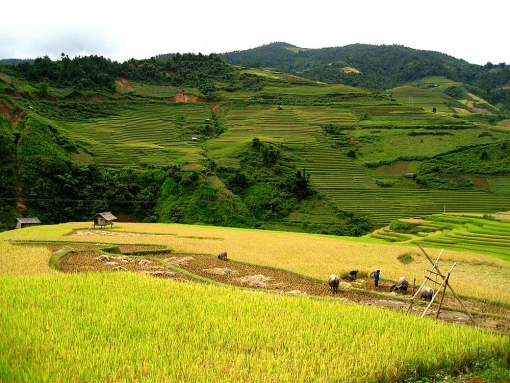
376	275
353	275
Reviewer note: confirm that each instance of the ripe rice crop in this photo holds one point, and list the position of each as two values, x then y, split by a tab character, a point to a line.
123	327
16	260
315	256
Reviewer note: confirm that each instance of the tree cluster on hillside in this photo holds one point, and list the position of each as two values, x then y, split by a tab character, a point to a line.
79	72
495	82
97	72
266	180
7	176
55	189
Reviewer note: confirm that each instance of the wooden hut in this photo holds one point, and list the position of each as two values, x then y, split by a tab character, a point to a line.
26	222
104	219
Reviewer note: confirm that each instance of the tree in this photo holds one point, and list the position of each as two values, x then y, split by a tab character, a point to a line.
43	89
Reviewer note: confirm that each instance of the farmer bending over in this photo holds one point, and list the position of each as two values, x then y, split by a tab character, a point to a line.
353	275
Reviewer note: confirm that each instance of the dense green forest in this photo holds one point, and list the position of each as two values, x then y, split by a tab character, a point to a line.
55	166
99	73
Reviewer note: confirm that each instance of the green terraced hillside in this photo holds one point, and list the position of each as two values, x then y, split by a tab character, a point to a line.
159	133
357	146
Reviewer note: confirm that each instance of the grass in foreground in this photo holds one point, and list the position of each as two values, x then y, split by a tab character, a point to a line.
124	327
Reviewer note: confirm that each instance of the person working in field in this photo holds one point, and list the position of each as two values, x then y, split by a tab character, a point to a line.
376	275
353	274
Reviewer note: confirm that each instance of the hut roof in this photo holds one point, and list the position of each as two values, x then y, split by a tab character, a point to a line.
106	215
28	220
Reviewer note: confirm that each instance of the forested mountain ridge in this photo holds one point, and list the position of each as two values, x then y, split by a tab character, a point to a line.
373	67
192	139
378	67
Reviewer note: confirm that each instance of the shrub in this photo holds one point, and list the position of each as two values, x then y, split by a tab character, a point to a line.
401	227
405	258
112	249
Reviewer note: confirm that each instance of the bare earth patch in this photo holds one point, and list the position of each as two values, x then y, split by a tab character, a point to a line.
125	84
399	168
183	97
481	183
504	123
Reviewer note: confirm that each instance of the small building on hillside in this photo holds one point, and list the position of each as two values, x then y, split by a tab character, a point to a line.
26	222
104	219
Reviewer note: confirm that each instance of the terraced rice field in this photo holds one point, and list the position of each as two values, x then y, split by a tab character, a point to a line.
159	133
155	134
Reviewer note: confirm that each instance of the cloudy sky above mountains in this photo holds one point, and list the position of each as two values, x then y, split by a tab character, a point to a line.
475	31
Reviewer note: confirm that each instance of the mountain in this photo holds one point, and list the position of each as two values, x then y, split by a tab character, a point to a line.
378	67
14	61
193	139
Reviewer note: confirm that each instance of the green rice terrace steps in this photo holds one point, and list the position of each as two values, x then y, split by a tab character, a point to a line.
347	184
485	234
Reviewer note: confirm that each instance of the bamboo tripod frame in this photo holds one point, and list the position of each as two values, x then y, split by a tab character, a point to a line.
435	270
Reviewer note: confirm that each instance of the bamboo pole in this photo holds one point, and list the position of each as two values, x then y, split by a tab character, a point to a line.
426	277
449	286
444	284
442	297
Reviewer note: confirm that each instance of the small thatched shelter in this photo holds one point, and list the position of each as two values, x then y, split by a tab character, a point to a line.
26	222
103	219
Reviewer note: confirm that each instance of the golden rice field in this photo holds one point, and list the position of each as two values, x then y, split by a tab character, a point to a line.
317	256
24	261
124	327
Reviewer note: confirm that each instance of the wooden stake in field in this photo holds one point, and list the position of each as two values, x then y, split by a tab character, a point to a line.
445	278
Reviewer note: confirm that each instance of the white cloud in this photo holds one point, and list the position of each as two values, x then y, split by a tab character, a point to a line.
121	30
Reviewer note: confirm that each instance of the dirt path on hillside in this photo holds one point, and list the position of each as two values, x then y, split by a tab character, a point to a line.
230	272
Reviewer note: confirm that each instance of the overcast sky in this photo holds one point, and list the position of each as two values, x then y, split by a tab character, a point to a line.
473	30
